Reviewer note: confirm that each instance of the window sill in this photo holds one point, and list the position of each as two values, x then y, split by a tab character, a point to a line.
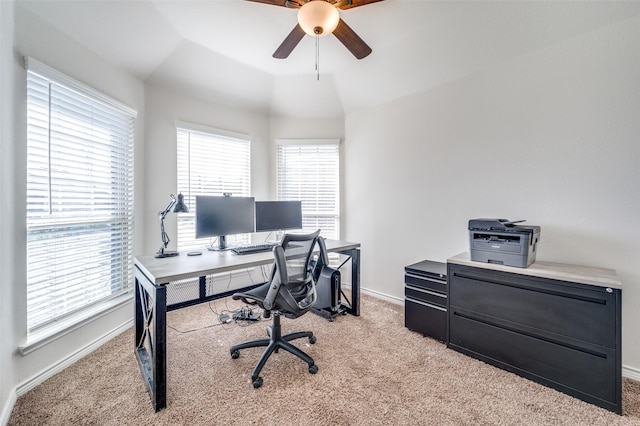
55	331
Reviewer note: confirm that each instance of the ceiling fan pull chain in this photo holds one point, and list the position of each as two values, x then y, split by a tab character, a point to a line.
317	57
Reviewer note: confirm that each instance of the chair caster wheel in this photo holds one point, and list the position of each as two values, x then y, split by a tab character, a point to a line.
235	354
312	339
313	369
257	382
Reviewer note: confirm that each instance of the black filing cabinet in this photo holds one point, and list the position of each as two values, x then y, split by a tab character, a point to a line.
425	298
562	334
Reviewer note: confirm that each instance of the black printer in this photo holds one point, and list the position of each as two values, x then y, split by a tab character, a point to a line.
503	242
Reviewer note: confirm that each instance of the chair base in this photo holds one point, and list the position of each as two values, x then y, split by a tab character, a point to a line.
276	341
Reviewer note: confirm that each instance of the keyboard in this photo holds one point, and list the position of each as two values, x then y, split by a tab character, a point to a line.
253	248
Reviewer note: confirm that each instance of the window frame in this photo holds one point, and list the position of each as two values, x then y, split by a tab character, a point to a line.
118	217
242	188
314	217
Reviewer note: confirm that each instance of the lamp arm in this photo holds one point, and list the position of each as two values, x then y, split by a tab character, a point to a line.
161	216
167	209
164	236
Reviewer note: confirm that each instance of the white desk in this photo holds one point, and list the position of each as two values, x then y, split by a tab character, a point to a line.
153	276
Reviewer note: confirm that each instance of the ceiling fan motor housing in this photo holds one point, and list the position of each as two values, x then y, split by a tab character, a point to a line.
318	17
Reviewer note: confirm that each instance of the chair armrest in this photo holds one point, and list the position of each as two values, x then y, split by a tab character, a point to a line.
311	300
277	280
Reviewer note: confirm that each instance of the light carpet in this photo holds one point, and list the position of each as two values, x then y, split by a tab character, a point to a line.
372	371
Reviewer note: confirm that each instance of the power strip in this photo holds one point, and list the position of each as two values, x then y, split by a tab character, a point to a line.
246	315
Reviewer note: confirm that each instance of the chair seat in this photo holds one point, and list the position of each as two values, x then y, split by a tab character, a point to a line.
253	296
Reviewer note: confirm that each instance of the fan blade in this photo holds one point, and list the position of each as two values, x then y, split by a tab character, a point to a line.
348	4
283	3
351	40
289	43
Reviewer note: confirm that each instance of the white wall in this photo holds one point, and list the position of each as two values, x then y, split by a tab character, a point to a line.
551	137
8	219
164	108
32	37
306	128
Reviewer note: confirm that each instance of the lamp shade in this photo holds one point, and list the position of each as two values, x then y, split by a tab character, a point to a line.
180	206
318	18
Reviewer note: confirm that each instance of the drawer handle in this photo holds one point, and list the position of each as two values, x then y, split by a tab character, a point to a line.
432	279
428	305
421	290
549	291
530	334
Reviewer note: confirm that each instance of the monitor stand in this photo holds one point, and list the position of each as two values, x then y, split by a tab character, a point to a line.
222	244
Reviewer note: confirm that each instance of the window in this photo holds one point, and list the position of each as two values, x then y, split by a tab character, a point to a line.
79	197
210	162
310	171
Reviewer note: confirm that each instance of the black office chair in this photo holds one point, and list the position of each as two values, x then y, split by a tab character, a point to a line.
290	292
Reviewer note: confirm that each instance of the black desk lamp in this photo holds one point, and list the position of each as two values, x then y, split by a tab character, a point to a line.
177	206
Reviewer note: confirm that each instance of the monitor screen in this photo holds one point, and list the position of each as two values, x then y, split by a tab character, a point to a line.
278	215
221	216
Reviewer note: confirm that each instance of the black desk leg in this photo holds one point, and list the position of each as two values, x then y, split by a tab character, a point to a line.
355	280
151	337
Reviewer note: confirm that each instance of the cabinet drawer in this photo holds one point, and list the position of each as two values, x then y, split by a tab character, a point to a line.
431	297
430	320
590	376
535	306
426	283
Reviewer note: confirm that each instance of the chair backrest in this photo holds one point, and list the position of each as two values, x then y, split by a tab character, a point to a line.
292	289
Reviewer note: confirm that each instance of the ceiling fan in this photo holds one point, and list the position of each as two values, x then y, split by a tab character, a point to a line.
319	18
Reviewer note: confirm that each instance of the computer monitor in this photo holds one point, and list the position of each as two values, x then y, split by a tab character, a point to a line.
219	216
278	215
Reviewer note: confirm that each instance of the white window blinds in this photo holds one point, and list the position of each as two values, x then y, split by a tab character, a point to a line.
79	196
210	162
310	171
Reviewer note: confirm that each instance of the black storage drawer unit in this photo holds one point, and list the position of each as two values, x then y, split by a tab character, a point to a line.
562	333
425	304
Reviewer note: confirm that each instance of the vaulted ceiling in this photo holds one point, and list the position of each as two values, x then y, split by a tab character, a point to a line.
220	50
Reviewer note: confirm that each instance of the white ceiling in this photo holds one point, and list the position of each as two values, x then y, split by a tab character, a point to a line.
220	50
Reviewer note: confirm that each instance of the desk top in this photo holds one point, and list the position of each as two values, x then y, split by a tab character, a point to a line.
165	270
558	271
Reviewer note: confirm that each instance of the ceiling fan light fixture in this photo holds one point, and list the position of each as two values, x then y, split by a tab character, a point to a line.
318	18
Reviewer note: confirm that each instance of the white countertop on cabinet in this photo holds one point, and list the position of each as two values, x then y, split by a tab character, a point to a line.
558	271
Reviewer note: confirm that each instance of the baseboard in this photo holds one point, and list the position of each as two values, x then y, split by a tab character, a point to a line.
383	296
8	407
66	362
631	373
